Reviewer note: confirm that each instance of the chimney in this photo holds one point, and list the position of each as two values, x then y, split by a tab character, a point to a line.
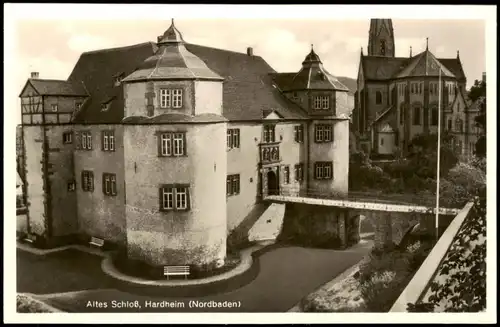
249	51
34	74
484	77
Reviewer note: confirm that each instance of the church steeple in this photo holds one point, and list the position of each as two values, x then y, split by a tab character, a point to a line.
381	38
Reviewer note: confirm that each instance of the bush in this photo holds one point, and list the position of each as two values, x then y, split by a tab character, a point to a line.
387	272
26	304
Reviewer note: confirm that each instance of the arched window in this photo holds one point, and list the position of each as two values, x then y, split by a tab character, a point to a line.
378	97
382	47
434	116
417	113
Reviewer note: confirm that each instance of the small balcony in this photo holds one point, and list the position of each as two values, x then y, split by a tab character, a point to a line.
269	153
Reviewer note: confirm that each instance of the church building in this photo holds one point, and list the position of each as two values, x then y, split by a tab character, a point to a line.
163	148
398	98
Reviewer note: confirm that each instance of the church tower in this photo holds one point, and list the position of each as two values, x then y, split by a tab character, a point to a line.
381	38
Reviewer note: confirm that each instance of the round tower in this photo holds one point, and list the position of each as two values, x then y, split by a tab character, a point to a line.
175	159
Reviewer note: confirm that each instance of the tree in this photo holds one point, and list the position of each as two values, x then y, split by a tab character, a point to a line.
477	93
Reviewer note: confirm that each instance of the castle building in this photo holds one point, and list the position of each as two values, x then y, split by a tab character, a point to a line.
397	97
162	149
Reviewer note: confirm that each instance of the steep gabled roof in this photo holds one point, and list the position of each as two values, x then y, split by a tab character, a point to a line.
382	68
248	88
57	87
424	64
455	66
97	69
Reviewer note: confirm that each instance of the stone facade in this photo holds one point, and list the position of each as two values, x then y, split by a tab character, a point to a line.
165	160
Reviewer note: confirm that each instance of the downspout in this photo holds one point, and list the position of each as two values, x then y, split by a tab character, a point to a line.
45	173
308	160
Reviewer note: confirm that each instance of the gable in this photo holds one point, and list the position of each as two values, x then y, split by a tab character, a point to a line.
28	90
273	115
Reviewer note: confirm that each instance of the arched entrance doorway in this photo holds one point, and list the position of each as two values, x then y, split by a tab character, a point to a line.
272	183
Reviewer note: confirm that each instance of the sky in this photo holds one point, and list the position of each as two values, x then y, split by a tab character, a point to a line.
52	46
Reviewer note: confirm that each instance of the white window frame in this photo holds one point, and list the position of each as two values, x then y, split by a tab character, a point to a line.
67	137
111	141
178	144
89	140
107	185
165	98
325	102
319	133
168	198
236	138
181	198
166	144
177	98
106	141
317	103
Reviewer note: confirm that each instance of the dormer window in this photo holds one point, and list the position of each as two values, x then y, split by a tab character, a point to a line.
53	107
321	76
78	105
171	98
295	95
105	107
321	102
382	47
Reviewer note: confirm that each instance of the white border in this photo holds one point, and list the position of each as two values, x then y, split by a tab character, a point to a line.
15	12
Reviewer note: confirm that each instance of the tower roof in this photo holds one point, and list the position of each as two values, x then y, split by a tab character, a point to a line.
313	75
425	64
172	61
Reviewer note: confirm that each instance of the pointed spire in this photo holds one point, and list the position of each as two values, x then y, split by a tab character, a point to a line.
458	54
361	50
411	52
171	35
312	47
426	44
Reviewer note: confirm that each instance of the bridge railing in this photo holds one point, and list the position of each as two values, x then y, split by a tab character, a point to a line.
403	199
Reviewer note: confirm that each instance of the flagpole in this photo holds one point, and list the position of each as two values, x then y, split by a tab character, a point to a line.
438	157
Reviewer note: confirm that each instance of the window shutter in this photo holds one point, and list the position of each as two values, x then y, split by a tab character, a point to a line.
184	143
158	138
160	199
188	199
103	183
83	181
77	140
91	181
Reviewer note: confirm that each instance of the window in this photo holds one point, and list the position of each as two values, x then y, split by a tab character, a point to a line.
86	140
381	141
87	181
299	172
402	114
299	133
458	106
286	175
109	184
323	170
323	133
172	144
382	47
78	105
321	102
233	138
416	115
53	107
269	135
68	137
233	185
434	116
171	98
104	107
449	124
433	88
71	186
378	97
108	141
174	197
459	126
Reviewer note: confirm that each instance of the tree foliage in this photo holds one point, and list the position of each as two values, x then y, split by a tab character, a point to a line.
464	288
477	94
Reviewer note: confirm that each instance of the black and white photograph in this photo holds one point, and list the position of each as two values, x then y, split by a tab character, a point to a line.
277	161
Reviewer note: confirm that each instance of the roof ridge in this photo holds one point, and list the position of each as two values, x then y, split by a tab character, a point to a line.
225	50
127	47
48	80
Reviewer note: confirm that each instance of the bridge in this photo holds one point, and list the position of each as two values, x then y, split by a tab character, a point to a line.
346	217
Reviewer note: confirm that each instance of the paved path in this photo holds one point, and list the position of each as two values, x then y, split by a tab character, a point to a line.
286	275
